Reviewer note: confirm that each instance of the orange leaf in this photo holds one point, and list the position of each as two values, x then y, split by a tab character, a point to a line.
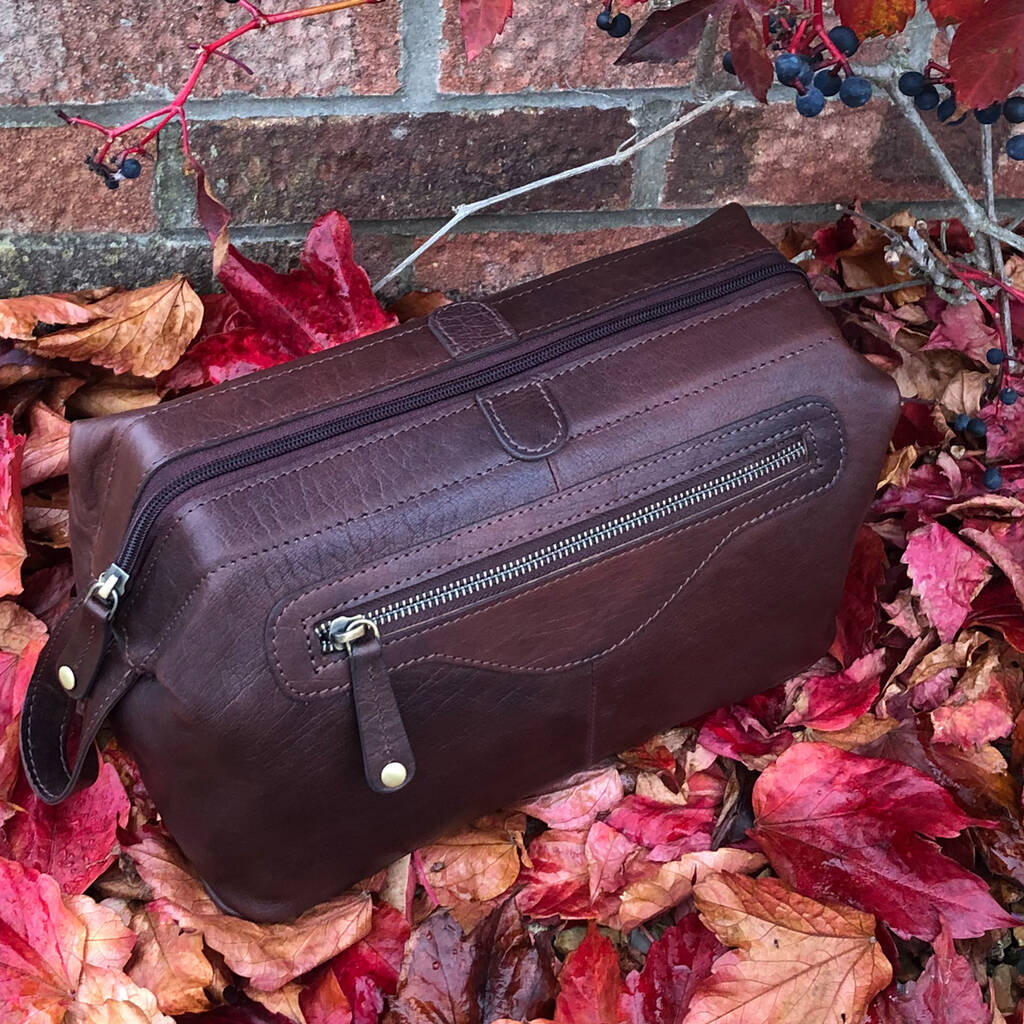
46	449
20	317
875	17
268	954
143	332
12	543
475	864
797	959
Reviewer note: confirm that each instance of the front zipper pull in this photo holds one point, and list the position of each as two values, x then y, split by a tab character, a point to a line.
87	633
387	754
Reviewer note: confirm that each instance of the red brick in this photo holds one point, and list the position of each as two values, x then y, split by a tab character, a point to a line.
771	155
394	166
481	263
549	44
67	51
48	188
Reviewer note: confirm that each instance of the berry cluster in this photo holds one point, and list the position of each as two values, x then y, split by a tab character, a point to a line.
617	25
125	168
815	64
923	87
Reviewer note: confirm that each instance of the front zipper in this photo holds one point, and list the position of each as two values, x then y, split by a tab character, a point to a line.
114	580
339	633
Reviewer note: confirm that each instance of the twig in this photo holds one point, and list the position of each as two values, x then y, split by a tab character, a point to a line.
828	297
621	155
996	249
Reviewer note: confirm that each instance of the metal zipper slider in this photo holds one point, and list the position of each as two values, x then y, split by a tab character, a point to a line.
387	753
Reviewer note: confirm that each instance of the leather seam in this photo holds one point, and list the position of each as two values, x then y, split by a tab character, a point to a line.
437	322
561	428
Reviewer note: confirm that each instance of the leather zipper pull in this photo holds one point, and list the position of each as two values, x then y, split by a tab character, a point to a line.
86	632
387	753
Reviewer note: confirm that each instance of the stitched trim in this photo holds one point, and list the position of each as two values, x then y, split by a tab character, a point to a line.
561	430
438	322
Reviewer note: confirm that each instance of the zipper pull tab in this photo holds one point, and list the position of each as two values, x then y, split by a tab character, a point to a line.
87	632
387	754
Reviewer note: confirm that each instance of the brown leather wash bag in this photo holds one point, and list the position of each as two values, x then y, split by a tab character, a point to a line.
346	604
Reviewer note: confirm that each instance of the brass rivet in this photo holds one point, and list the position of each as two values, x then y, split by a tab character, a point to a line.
66	677
393	774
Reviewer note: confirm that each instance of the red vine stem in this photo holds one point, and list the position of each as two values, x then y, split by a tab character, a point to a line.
176	108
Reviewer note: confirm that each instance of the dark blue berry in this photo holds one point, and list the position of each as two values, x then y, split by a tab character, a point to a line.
855	91
727	63
977	427
130	168
1008	396
811	103
960	423
620	26
989	115
788	67
911	83
1013	110
604	20
1015	147
845	40
927	98
112	183
946	109
828	83
993	478
995	356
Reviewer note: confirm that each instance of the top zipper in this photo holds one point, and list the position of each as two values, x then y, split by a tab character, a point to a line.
112	582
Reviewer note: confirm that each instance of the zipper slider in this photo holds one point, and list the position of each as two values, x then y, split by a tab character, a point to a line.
387	753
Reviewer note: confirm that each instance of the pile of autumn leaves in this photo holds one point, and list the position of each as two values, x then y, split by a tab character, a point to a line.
847	846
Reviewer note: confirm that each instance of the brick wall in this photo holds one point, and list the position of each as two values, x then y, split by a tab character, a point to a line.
375	112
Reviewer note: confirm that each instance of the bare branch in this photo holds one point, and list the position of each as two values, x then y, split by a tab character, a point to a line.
623	153
829	297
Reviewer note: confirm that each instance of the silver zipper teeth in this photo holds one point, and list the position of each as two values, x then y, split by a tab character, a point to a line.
569	547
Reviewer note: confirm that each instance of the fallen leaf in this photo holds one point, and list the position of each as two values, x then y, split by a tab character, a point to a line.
578	801
520	981
831	703
855	621
12	543
607	851
797	959
558	879
142	332
839	826
475	864
590	984
668	830
20	317
946	574
963	329
736	732
269	955
46	449
110	997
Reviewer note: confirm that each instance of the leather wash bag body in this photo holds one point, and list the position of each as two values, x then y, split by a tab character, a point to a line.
338	607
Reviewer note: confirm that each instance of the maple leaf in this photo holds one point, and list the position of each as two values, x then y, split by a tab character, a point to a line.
268	955
831	703
797	959
578	800
169	961
675	963
946	576
20	317
482	22
73	841
558	878
980	709
142	332
277	317
668	830
749	57
590	984
669	35
474	864
842	826
945	993
607	851
963	329
986	57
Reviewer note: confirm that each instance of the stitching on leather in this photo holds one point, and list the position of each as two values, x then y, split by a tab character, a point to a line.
643	625
561	428
681	329
514	295
437	321
158	642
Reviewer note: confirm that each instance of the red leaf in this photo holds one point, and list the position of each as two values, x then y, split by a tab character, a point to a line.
676	963
855	621
875	17
963	329
947	575
326	302
590	985
482	22
667	830
323	1002
607	851
949	12
830	703
945	993
986	57
669	35
578	800
735	732
746	44
559	880
998	607
12	543
521	972
73	841
838	826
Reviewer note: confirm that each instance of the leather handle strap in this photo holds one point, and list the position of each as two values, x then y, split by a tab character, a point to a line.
50	717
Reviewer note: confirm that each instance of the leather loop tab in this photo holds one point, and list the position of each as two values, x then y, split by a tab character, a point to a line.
468	328
78	659
526	420
387	753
